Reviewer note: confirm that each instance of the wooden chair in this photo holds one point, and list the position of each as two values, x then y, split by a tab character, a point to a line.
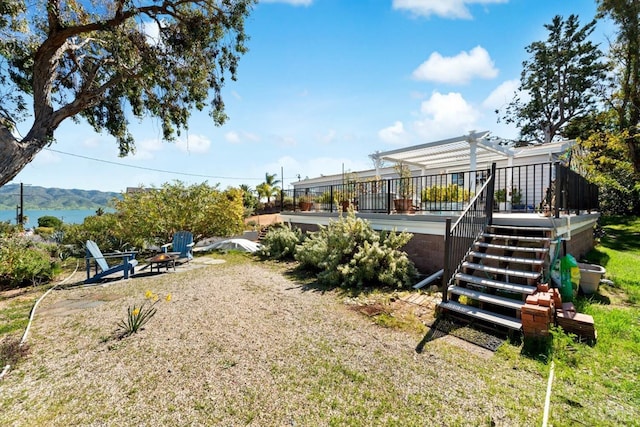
102	267
182	245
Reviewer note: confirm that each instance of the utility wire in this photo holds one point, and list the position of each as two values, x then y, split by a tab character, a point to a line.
156	170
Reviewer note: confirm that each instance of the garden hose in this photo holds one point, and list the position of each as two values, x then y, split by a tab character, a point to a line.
32	314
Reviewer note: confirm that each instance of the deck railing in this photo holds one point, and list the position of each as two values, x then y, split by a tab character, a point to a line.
529	188
459	237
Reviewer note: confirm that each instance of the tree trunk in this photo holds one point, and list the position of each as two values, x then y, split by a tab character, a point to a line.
15	154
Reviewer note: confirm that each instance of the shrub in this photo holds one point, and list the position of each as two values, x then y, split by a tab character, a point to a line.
25	262
49	222
349	253
447	193
280	243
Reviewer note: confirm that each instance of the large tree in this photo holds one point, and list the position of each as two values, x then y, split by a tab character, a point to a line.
625	54
559	81
107	61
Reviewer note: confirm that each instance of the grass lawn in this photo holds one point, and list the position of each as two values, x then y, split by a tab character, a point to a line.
250	343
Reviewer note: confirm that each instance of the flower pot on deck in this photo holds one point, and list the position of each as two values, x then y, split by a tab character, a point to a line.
403	205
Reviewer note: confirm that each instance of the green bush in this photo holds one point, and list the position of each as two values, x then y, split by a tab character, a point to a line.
23	262
448	193
49	222
349	253
280	243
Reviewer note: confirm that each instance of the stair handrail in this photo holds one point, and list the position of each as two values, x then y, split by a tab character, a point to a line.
471	223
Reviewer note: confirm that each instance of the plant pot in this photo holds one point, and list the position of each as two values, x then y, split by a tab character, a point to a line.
306	206
403	205
590	276
345	205
505	206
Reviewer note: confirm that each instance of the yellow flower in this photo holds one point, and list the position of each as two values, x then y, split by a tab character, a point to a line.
148	294
168	297
136	311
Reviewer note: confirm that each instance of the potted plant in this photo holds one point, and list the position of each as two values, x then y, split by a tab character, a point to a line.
445	197
305	202
516	199
500	197
345	194
405	189
324	201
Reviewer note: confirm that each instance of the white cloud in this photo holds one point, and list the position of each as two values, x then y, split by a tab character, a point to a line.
394	134
91	142
290	2
328	137
502	95
444	116
452	9
232	137
459	69
194	144
146	148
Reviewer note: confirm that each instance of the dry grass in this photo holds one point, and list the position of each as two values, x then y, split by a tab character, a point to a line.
240	344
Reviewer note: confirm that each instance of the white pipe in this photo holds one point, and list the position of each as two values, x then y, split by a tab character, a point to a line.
547	400
428	280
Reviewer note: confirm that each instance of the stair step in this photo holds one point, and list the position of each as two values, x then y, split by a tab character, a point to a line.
521	228
503	258
497	284
511	237
511	248
488	298
498	319
497	270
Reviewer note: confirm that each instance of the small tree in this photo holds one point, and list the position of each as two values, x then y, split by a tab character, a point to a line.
49	221
153	215
269	188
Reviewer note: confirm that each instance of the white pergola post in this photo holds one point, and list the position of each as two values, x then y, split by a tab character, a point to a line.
473	148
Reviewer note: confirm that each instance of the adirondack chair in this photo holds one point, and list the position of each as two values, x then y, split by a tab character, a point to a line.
100	261
182	244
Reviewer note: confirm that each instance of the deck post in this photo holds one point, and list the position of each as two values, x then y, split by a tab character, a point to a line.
447	258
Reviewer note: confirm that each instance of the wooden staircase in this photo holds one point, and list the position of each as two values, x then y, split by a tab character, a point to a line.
504	266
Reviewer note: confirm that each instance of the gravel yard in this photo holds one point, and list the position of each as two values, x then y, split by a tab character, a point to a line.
242	344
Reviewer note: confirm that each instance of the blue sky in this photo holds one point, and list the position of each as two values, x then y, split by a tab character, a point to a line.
326	83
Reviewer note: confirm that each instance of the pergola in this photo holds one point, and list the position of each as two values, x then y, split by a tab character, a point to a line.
470	149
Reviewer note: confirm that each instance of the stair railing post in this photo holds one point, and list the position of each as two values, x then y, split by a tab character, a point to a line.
447	259
490	196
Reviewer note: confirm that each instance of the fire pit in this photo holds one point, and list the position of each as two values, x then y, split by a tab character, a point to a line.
165	260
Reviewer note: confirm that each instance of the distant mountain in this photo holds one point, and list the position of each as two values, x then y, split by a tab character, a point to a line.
54	198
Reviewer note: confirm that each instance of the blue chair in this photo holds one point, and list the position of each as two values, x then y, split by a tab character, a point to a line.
182	245
102	268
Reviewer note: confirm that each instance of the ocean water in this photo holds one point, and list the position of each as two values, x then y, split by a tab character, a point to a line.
74	216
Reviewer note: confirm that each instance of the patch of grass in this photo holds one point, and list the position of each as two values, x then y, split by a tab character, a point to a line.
602	382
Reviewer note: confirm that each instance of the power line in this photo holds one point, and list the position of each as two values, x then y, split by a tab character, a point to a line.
153	169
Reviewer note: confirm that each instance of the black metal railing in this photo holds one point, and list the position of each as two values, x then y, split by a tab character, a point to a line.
573	192
527	188
459	237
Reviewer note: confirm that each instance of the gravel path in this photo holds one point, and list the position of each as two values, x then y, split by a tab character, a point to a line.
244	345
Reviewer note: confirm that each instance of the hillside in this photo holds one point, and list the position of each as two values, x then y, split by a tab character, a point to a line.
36	197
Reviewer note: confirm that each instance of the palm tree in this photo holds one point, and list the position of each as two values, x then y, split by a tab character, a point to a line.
269	187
